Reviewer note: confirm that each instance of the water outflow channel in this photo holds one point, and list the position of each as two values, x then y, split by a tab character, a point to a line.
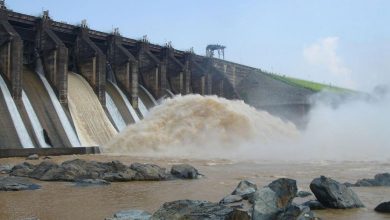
91	122
49	111
36	125
145	100
17	121
114	113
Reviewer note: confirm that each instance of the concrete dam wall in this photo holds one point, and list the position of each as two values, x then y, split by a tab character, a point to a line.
82	86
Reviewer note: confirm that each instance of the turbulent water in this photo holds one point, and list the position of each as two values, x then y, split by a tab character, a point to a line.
200	126
92	125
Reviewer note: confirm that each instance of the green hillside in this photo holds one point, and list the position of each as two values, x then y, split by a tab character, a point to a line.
314	86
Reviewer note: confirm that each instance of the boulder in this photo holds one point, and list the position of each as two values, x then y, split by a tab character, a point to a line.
78	169
366	182
348	184
44	171
32	157
383	179
333	194
11	183
231	199
314	205
22	170
384	207
245	189
121	176
303	194
92	182
272	201
197	210
380	179
5	168
148	172
297	212
131	215
285	189
184	171
265	204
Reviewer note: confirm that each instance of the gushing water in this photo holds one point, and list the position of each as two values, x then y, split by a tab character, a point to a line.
114	113
127	103
37	127
142	108
150	96
15	116
199	126
70	133
91	122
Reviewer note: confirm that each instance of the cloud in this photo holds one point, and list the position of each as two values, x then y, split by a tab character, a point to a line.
323	55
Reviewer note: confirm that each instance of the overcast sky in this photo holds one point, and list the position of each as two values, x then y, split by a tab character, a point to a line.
338	42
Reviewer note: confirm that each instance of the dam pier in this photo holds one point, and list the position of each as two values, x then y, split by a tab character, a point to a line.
66	86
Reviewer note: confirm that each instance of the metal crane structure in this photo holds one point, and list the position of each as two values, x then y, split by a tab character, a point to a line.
215	47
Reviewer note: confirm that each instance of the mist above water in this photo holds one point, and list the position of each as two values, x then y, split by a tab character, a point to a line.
195	126
354	128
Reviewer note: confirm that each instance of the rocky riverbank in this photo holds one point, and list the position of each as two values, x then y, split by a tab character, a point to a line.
219	190
274	201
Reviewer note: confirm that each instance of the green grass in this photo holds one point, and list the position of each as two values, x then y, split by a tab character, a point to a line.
314	86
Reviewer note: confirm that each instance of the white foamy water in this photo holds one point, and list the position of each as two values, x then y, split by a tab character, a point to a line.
150	96
114	113
21	130
91	122
127	103
198	126
32	116
69	131
142	108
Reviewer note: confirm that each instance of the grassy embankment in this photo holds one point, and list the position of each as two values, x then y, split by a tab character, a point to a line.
314	86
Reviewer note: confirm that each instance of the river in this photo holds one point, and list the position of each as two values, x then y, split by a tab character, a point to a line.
62	200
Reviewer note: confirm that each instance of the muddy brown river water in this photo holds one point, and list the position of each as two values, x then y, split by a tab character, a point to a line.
62	200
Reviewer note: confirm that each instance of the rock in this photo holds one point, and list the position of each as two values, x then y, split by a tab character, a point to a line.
121	176
131	215
314	205
383	179
366	182
348	184
44	171
265	204
184	171
148	172
77	169
383	207
5	168
245	189
303	194
332	194
32	157
22	170
231	199
269	202
296	212
380	179
46	158
286	189
197	210
92	182
11	183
